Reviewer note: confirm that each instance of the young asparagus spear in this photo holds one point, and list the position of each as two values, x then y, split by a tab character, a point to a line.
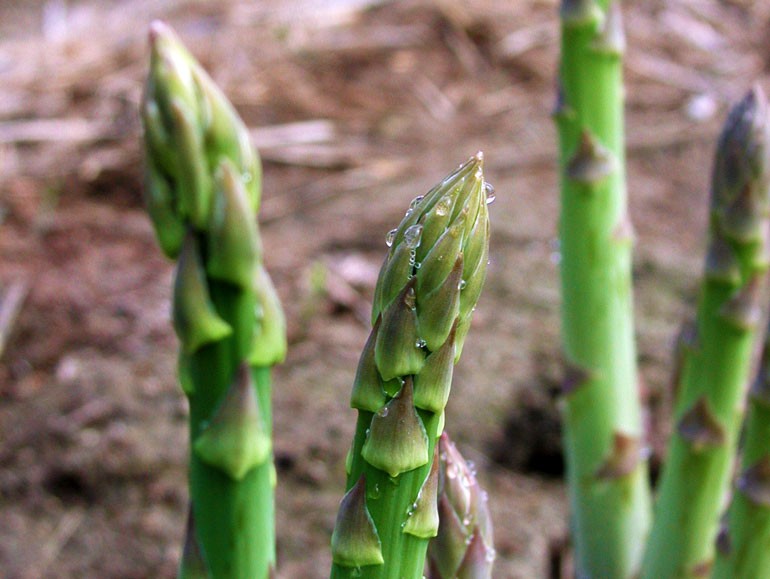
607	476
202	193
424	300
463	547
716	367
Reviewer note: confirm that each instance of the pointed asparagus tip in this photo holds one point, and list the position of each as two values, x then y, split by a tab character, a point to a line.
158	28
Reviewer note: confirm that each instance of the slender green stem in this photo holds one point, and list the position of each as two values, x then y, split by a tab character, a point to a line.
608	487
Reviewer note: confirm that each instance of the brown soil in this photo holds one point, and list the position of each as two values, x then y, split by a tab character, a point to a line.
92	423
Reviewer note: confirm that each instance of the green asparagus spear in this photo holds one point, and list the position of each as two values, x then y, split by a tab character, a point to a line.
464	544
607	475
716	368
743	547
202	194
424	300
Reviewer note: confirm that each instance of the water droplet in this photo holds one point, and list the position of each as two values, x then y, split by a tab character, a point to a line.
413	236
382	412
368	430
466	521
417	264
410	299
408	212
443	205
420	343
246	177
462	284
373	492
390	237
412	257
490	555
489	191
416	201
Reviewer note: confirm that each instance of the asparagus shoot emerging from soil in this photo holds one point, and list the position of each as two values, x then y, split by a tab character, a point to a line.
716	367
464	544
607	476
202	194
742	547
424	300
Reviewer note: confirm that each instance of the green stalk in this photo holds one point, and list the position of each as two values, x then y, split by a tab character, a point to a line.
464	544
607	476
743	548
424	300
203	190
716	365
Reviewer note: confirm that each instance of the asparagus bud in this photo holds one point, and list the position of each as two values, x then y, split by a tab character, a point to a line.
463	546
190	127
424	299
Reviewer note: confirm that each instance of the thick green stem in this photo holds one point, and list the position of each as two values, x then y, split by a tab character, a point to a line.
717	363
234	518
608	487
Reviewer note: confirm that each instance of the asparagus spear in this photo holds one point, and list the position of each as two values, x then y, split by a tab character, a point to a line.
607	476
716	369
424	300
742	547
464	544
202	193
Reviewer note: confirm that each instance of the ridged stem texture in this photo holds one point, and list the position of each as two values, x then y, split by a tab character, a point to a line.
424	299
603	434
743	545
202	193
463	547
718	354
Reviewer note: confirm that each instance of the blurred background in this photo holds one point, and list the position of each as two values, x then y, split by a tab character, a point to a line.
357	106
